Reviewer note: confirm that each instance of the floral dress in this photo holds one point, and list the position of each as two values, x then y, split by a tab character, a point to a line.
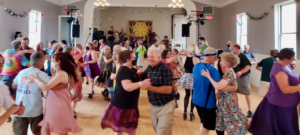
229	116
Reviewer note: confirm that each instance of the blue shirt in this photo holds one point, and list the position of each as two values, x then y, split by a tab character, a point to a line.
201	86
249	55
29	92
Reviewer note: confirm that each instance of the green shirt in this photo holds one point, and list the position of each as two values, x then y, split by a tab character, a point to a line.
203	48
266	65
141	50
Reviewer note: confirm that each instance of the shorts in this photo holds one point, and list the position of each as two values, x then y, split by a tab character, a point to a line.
140	61
243	85
263	88
20	124
8	80
208	117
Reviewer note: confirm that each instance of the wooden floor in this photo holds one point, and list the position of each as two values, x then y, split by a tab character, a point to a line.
90	111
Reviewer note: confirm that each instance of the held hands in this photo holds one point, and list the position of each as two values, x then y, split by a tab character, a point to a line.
17	109
86	62
115	57
205	73
146	84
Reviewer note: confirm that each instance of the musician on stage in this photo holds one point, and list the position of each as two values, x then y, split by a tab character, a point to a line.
122	35
151	37
111	37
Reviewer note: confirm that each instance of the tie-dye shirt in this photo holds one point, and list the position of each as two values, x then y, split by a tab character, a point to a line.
13	65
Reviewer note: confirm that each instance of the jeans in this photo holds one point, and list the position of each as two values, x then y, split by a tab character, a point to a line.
111	91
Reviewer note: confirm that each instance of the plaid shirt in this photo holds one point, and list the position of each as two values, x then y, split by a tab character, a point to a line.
160	75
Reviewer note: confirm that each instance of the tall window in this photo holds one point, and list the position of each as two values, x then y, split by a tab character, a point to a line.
287	26
242	30
34	28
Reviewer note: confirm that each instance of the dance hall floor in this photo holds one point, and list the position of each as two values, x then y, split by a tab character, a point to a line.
89	113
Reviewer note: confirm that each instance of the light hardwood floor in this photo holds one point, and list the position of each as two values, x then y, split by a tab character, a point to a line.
90	111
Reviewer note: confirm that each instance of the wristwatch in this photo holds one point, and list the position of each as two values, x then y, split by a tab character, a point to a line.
239	73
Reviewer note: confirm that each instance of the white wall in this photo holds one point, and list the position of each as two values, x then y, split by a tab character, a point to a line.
161	25
97	17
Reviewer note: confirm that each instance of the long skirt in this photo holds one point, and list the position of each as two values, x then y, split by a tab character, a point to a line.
270	119
120	120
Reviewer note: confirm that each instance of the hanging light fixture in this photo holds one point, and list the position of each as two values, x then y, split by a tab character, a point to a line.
103	5
176	5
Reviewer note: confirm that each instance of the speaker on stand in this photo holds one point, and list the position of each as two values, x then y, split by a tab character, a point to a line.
186	32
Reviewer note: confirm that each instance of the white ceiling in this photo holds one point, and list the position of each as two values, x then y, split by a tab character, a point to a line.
63	2
215	3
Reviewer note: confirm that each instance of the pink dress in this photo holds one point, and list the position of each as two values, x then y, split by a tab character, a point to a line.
59	116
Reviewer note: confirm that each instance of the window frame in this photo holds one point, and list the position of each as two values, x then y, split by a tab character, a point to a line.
37	29
239	29
278	25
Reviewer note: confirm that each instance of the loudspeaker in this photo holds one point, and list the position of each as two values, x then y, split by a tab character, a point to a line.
76	31
185	30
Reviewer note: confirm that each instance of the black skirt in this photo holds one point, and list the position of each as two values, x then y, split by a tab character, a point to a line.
102	79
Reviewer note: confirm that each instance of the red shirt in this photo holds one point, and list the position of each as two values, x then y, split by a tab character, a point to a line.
80	60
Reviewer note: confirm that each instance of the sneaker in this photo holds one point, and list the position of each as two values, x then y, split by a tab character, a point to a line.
90	96
250	114
9	119
93	92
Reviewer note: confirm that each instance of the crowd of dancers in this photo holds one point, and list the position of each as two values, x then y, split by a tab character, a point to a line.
211	78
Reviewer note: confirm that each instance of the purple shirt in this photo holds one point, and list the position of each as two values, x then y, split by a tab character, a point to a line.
275	95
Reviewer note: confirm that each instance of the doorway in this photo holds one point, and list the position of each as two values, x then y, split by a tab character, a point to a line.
65	29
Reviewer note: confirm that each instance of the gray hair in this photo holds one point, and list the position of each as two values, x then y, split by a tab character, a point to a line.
156	50
16	44
36	57
210	50
55	46
247	46
68	49
116	49
229	42
103	52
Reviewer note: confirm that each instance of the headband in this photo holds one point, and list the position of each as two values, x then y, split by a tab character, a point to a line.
206	55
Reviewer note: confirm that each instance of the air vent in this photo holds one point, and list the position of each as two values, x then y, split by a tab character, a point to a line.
208	10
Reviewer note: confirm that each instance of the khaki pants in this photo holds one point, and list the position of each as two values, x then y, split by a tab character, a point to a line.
162	118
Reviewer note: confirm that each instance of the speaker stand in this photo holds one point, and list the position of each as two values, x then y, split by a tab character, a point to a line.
88	36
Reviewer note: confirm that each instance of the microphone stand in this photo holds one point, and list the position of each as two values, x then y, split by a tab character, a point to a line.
88	36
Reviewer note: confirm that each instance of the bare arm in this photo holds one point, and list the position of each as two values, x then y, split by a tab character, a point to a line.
195	61
78	56
161	89
283	83
28	65
106	60
22	52
129	86
258	68
113	76
245	69
61	77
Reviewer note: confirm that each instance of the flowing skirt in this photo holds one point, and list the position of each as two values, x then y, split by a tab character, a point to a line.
120	120
186	81
59	116
270	119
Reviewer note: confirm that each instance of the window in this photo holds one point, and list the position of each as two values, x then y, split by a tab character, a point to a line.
285	26
34	28
242	30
